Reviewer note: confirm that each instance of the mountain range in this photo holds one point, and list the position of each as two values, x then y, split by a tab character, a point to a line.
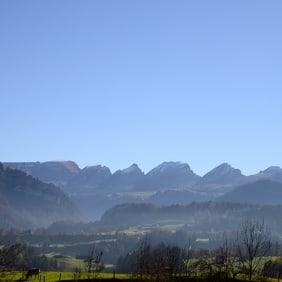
95	188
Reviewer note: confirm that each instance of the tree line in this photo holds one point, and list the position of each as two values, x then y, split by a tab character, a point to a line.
19	256
241	256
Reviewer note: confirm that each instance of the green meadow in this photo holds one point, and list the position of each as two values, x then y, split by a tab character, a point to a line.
52	276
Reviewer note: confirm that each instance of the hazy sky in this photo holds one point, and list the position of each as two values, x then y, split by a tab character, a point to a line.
121	82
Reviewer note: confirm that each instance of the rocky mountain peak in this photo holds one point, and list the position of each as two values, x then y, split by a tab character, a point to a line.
167	167
273	170
133	169
169	175
222	174
126	179
69	165
90	177
96	169
57	172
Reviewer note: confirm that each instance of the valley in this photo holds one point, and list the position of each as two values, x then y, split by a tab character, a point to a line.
58	223
94	189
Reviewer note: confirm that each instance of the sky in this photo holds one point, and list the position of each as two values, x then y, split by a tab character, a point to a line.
117	82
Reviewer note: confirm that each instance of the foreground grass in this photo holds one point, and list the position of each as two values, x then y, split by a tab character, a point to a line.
52	276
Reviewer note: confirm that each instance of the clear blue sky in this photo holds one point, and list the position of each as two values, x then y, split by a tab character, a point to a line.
121	82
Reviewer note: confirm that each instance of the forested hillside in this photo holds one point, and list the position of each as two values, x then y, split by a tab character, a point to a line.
27	202
196	217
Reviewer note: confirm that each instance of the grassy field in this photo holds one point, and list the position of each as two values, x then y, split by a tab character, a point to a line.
67	262
164	225
52	276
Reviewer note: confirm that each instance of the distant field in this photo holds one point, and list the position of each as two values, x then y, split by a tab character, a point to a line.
167	225
68	262
81	243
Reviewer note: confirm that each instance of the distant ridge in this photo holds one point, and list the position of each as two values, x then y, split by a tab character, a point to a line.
56	172
67	172
262	192
95	188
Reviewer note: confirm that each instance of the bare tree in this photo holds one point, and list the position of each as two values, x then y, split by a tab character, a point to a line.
173	257
158	263
226	259
254	243
89	260
93	262
234	264
143	257
189	252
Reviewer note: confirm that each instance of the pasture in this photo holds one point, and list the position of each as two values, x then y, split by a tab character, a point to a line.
53	276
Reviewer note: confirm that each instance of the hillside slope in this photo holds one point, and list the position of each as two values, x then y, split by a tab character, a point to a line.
263	192
26	202
195	217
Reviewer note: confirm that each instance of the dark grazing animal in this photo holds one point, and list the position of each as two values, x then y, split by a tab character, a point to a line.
33	272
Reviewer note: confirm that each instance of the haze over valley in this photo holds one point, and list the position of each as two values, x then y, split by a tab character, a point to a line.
76	194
